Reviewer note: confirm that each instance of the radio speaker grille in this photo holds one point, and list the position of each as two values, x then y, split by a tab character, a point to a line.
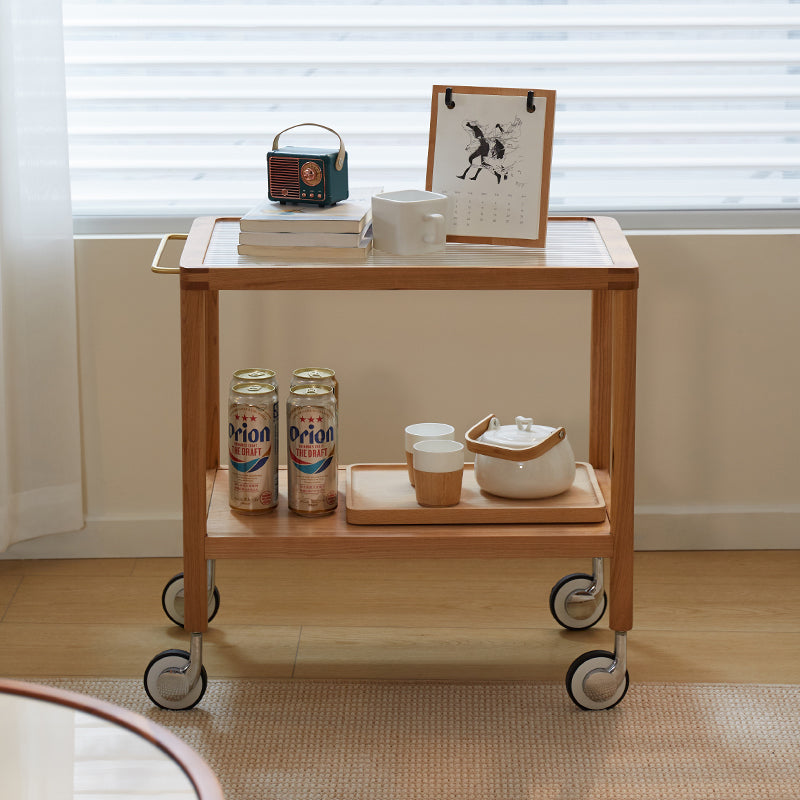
284	177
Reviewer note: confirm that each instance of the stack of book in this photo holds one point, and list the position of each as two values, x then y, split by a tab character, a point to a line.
342	232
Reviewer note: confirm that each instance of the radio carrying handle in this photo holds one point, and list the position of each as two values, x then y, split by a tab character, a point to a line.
339	159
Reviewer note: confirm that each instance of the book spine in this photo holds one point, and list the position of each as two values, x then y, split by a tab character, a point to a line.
301	226
315	239
337	254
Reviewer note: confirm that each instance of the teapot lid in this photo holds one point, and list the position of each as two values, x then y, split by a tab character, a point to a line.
520	436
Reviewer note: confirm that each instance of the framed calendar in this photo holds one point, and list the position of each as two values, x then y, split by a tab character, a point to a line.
489	151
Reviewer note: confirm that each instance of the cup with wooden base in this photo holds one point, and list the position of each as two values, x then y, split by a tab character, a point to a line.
438	470
420	432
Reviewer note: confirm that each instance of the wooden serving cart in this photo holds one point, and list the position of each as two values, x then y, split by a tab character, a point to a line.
588	254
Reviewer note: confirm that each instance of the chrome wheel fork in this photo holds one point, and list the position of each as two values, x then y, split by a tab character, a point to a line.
211	579
581	603
601	684
175	683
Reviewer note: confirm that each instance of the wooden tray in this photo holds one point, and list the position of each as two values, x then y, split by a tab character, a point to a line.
380	494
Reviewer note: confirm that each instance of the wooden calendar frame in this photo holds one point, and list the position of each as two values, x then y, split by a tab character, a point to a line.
526	196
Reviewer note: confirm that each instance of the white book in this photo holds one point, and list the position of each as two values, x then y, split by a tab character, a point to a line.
293	239
348	216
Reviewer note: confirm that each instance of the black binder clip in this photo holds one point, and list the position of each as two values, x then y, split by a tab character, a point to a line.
530	106
448	98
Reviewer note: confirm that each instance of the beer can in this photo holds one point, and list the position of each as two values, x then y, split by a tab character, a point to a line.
254	375
259	375
311	424
319	376
253	447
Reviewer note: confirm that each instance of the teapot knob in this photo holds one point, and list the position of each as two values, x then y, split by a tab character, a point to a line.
523	423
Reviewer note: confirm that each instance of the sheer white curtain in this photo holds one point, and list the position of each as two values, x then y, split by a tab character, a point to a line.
40	459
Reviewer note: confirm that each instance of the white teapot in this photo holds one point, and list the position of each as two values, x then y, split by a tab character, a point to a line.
523	461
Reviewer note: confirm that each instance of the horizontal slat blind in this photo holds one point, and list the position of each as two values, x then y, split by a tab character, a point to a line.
173	105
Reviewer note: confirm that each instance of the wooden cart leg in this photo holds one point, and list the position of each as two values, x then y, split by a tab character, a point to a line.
212	378
600	381
194	449
623	399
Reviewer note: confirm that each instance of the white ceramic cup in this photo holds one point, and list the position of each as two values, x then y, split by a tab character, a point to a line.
438	472
409	222
419	432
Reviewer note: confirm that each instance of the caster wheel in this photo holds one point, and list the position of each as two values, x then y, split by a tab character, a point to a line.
172	601
589	685
572	614
171	697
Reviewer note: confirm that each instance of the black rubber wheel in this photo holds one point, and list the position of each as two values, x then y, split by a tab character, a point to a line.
172	658
172	601
558	602
577	673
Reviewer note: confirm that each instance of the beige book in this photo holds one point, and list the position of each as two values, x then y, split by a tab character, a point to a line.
358	254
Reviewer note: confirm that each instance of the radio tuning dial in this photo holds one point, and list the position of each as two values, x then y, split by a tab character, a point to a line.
310	173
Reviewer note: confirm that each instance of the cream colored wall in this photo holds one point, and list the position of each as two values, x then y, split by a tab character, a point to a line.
718	378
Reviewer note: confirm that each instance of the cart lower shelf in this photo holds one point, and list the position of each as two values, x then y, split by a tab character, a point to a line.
282	534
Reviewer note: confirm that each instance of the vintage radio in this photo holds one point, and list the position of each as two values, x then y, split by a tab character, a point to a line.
307	175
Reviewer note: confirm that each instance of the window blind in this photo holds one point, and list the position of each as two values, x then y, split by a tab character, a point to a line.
172	106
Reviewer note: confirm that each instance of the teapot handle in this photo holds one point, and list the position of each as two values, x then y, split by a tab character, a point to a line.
528	454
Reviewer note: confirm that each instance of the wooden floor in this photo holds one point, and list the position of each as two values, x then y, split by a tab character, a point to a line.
699	616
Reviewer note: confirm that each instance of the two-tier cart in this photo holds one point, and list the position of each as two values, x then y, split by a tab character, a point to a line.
588	254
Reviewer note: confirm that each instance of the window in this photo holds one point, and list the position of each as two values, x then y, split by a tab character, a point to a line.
661	106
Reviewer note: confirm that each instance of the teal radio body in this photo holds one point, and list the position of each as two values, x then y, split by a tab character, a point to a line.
311	175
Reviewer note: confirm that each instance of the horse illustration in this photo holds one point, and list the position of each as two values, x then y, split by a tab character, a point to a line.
492	148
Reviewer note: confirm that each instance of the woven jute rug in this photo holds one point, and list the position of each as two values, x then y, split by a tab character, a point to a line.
379	740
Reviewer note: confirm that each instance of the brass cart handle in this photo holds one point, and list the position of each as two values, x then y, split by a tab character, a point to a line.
339	158
155	266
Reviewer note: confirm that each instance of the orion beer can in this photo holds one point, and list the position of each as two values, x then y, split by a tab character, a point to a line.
260	375
254	375
311	424
253	447
320	376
